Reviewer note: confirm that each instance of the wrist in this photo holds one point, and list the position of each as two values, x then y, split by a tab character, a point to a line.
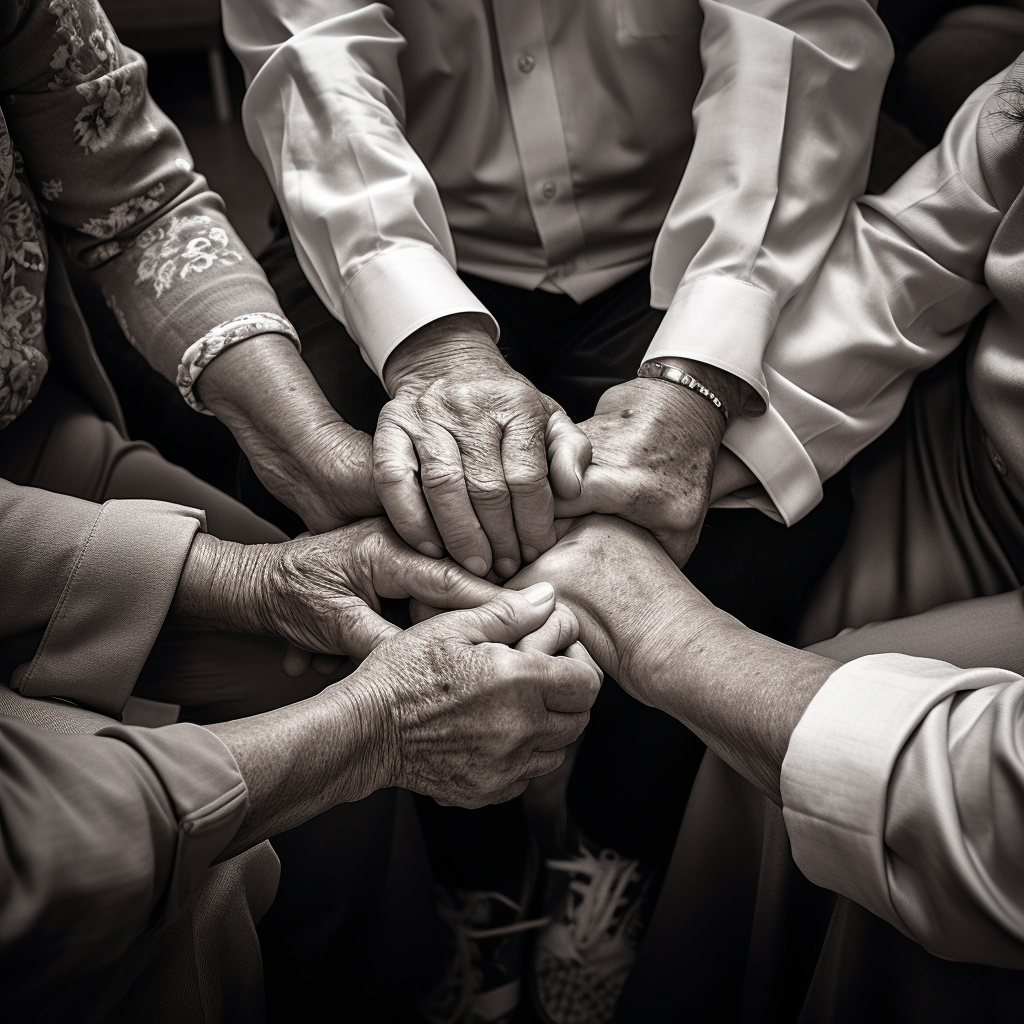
431	351
378	728
223	586
734	393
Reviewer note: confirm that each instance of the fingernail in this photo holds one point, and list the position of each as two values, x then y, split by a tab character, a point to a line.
539	594
579	480
530	554
477	566
505	567
430	550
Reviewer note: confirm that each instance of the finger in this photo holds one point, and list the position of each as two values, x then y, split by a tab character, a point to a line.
578	652
526	474
444	486
543	762
604	490
492	503
396	477
569	454
568	686
296	661
559	632
420	612
440	582
506	619
560	730
326	664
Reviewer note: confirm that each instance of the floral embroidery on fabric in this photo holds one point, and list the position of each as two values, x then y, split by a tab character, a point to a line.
84	52
124	214
23	356
200	354
170	254
52	189
88	59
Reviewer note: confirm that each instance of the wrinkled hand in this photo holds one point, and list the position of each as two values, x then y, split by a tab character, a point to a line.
654	449
473	719
319	591
305	454
324	589
461	454
635	609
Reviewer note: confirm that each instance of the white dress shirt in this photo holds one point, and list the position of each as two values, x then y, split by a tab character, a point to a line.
561	144
903	280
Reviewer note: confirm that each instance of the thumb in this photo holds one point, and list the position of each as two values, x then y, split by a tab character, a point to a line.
569	454
363	630
505	619
603	490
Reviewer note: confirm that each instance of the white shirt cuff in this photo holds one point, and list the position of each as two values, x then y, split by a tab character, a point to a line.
841	756
774	454
722	322
398	292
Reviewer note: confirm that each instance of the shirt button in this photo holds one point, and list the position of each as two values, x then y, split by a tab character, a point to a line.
526	63
548	190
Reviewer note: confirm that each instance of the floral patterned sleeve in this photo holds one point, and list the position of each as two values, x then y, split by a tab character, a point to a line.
115	185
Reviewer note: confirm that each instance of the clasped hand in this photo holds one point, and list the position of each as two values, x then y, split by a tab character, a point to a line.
469	456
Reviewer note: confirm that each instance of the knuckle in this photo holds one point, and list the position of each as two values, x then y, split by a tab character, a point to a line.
441	476
488	491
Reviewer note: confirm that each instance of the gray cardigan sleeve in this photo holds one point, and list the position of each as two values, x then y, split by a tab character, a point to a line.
99	579
104	837
903	789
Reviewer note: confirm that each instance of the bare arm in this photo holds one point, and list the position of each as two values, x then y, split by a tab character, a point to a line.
668	646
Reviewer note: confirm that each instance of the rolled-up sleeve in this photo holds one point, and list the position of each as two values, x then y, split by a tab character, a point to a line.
903	789
784	122
104	837
116	182
97	579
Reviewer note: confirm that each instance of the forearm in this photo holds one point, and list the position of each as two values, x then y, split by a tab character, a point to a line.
740	692
225	586
298	761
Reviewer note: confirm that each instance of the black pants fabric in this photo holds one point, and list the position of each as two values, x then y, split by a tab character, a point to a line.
635	766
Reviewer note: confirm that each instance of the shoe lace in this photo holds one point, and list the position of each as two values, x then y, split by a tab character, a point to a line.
601	892
462	969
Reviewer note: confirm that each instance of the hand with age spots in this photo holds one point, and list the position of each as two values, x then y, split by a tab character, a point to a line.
654	451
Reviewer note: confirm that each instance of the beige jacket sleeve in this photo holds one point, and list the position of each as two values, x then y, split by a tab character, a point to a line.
105	837
98	580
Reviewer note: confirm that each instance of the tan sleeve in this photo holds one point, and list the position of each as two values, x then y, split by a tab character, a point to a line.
100	580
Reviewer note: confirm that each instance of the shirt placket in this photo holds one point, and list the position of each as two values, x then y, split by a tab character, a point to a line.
538	128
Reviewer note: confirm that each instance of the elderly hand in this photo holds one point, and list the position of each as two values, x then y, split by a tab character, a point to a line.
320	591
305	454
473	717
633	605
447	708
461	453
654	449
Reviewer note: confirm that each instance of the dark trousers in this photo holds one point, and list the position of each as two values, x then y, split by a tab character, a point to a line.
635	766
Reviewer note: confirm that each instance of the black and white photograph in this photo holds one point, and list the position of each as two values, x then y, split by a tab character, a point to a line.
511	512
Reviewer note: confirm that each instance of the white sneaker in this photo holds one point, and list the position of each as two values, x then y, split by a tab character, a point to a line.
583	957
